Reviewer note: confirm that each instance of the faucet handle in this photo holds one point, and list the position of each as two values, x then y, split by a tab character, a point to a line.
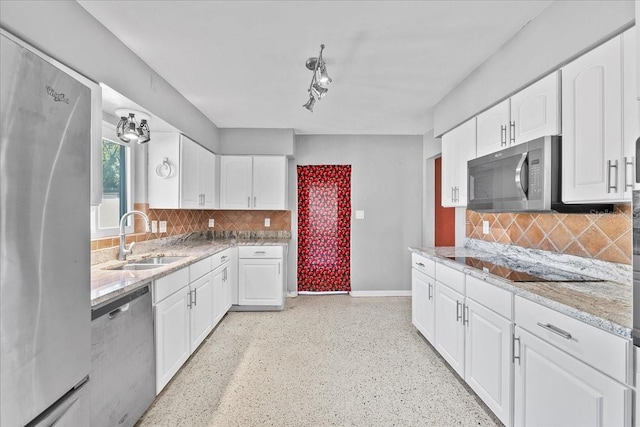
129	249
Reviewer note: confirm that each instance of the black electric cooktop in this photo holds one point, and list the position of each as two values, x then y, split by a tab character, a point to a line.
524	273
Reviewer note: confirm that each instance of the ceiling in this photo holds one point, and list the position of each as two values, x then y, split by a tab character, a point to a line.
242	62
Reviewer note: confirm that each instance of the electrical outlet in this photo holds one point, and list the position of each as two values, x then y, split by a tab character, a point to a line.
212	222
154	226
485	227
267	222
359	214
163	226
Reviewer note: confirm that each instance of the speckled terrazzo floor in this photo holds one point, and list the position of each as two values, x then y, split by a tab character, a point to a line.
329	360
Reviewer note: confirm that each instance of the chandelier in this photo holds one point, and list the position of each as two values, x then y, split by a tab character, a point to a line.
320	80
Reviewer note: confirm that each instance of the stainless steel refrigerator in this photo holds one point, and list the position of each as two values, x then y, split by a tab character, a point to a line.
45	317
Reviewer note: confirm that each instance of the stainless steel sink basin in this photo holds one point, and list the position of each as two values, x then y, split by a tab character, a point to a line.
159	260
138	267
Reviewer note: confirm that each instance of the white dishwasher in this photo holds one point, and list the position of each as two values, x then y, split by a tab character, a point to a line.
261	281
123	369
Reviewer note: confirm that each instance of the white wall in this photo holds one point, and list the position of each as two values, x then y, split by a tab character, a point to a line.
431	149
386	183
563	31
65	31
257	141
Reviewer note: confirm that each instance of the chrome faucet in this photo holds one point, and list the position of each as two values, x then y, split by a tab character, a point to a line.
124	250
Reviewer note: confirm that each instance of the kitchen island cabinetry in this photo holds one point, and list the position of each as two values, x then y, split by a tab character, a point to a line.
458	147
253	182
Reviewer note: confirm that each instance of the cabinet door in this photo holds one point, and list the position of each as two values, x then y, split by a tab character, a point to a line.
260	282
493	129
202	310
172	335
449	327
226	290
190	194
233	275
208	179
269	183
535	110
631	112
163	176
217	277
488	368
235	182
458	147
592	126
554	389
423	304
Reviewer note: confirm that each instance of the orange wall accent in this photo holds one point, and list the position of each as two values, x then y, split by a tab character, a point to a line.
607	237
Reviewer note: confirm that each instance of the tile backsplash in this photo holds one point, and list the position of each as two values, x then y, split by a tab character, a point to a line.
180	221
607	236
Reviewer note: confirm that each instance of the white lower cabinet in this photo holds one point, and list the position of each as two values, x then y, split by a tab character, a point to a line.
449	326
172	335
201	310
423	304
553	388
261	281
487	358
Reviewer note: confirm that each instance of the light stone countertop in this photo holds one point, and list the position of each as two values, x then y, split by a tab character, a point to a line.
107	284
606	305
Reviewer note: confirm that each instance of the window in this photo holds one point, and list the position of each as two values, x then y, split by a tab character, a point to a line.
116	185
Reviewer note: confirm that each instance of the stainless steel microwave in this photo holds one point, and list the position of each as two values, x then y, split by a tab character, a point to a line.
523	178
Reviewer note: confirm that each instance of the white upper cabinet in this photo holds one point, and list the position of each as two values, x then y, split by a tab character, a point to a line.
535	110
181	173
493	129
592	149
258	182
458	147
631	112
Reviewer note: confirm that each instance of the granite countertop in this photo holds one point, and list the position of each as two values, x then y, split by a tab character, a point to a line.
604	304
107	284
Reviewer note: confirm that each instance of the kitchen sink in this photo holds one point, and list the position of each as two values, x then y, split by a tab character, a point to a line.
138	267
159	260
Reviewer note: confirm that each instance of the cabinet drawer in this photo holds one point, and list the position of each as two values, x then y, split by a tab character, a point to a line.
491	296
260	252
199	269
220	258
423	264
167	285
450	277
609	353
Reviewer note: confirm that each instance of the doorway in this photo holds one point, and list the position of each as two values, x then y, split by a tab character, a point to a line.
445	218
324	228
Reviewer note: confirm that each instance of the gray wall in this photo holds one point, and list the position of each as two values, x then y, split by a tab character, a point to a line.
386	183
563	31
257	141
431	149
65	31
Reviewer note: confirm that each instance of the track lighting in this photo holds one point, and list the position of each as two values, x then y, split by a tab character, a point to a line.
320	80
129	130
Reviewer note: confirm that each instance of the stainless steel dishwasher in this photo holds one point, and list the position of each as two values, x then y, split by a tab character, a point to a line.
123	370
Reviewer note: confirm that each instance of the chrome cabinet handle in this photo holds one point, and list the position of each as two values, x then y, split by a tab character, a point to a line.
513	349
420	264
458	311
612	165
278	269
430	291
555	330
248	201
189	303
628	161
503	135
119	310
512	132
223	257
195	297
453	199
465	314
204	198
255	201
260	252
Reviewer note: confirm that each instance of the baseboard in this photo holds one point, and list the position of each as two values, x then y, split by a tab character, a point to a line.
292	294
380	293
323	293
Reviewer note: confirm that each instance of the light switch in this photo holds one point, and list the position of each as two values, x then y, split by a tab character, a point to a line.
485	227
163	226
212	222
154	226
267	222
359	214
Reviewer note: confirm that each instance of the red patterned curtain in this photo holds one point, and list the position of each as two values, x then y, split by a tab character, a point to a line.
324	228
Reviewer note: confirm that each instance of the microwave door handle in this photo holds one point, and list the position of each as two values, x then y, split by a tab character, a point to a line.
519	182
